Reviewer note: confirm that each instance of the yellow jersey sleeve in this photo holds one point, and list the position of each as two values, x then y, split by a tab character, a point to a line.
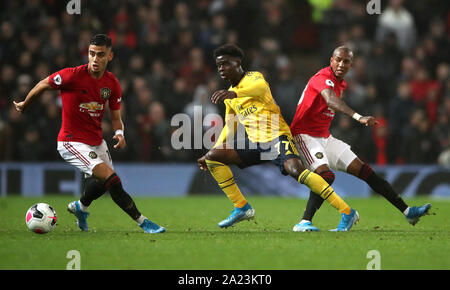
229	128
256	109
256	88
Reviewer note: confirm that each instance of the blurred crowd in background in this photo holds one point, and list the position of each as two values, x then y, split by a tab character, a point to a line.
163	60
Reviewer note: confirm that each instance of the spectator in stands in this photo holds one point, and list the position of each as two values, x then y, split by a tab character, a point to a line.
419	146
442	128
286	88
398	20
30	148
195	71
154	41
154	131
201	104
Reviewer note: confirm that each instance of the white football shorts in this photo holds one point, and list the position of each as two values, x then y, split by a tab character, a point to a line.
317	151
85	157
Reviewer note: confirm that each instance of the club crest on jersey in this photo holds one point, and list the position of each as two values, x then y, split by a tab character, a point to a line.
92	154
329	83
105	93
319	155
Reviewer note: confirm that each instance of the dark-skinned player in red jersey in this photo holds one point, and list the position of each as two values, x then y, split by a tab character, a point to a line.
321	152
85	92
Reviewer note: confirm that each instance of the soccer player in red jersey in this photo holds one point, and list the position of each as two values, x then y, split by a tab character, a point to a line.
321	152
85	91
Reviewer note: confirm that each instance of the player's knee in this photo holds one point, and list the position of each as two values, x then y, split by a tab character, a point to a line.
102	172
293	167
118	194
328	176
212	155
113	182
92	184
222	156
366	172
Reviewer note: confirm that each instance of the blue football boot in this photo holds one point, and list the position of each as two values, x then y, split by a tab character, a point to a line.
75	209
305	226
347	221
237	215
150	227
416	212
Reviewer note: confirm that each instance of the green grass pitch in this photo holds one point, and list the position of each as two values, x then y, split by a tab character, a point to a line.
193	241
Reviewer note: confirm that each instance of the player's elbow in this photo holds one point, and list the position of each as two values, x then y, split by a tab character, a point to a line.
44	85
222	156
212	155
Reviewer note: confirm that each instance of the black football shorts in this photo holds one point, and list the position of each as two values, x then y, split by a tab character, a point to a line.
277	152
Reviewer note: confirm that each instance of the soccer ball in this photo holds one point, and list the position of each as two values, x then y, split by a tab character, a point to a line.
41	218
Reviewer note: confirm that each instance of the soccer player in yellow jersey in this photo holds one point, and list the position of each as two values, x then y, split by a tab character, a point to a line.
249	102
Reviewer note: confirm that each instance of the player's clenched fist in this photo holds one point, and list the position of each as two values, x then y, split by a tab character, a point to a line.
20	106
121	143
202	163
219	96
368	121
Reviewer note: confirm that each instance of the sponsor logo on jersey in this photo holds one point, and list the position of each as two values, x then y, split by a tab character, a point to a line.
250	110
105	93
91	107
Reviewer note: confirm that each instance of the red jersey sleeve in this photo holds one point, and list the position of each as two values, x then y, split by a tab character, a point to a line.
61	79
116	96
321	82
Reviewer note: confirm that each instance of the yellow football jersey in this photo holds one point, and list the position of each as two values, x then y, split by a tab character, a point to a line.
254	108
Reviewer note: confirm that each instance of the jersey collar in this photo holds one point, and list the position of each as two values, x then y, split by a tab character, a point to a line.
334	76
87	71
239	81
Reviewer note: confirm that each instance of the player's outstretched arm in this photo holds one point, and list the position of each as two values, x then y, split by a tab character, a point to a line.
35	92
219	96
117	125
339	105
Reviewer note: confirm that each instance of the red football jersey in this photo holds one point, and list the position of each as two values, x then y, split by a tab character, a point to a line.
313	117
83	103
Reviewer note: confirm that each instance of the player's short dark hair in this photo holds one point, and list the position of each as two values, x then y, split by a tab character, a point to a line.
101	40
229	49
343	48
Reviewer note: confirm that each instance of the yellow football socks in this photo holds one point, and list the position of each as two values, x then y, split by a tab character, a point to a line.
224	177
319	186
